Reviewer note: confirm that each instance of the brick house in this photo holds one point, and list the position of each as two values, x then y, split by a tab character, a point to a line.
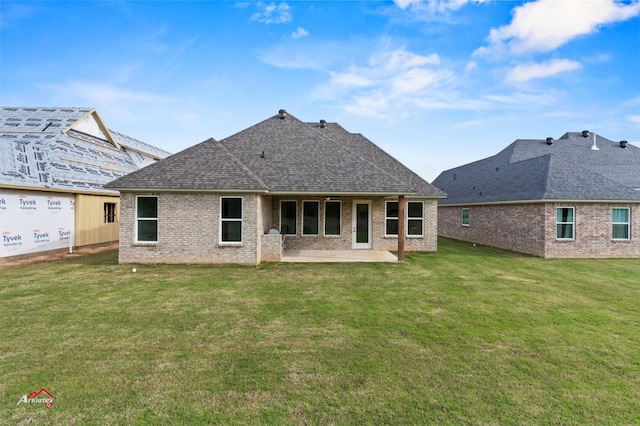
280	183
577	196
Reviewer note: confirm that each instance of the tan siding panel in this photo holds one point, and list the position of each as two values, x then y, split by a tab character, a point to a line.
89	222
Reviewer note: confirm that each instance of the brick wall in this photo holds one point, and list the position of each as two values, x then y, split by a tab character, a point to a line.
593	232
518	227
272	247
428	242
189	230
531	228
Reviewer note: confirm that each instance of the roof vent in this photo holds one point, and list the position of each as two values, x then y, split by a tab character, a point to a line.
282	113
585	133
549	141
623	144
323	124
594	147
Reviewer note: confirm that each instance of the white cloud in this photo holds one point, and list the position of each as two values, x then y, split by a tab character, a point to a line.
119	101
471	65
404	4
273	13
101	93
434	6
470	123
396	79
525	72
299	33
401	59
544	25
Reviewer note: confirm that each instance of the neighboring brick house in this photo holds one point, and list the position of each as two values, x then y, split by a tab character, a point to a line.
577	196
53	164
317	185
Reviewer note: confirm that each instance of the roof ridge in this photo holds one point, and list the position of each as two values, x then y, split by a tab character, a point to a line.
242	166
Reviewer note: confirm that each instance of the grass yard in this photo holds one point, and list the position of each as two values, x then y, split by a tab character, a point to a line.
470	335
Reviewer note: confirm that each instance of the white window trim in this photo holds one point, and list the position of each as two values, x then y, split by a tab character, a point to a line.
389	217
295	221
302	219
151	243
573	238
468	216
628	223
421	218
324	215
241	220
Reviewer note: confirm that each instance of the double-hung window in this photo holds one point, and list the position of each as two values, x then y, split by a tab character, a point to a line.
415	218
288	217
146	219
620	224
231	220
391	218
565	223
465	217
310	217
332	214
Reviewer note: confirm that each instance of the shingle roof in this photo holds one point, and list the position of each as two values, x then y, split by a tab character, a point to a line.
533	170
65	149
283	155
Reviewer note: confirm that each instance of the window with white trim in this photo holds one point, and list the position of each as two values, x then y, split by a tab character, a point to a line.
310	217
231	220
565	223
621	223
391	218
465	217
415	218
332	217
288	217
146	219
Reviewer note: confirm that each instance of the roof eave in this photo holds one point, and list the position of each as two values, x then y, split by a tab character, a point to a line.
192	190
539	201
106	192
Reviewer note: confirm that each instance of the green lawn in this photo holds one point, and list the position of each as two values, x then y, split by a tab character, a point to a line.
470	335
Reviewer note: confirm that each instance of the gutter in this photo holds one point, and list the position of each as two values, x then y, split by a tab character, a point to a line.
538	202
192	191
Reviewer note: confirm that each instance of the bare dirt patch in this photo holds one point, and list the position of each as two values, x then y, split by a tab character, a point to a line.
53	256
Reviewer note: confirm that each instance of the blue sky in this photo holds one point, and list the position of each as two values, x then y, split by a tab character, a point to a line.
435	83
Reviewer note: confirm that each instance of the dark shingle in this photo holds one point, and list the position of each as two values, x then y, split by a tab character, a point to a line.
283	155
528	170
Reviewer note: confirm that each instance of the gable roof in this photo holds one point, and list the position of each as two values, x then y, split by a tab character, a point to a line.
66	149
282	155
534	170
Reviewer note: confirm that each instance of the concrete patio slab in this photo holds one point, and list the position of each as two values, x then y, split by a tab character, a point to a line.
338	256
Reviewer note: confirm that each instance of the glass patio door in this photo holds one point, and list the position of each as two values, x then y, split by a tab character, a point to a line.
362	224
